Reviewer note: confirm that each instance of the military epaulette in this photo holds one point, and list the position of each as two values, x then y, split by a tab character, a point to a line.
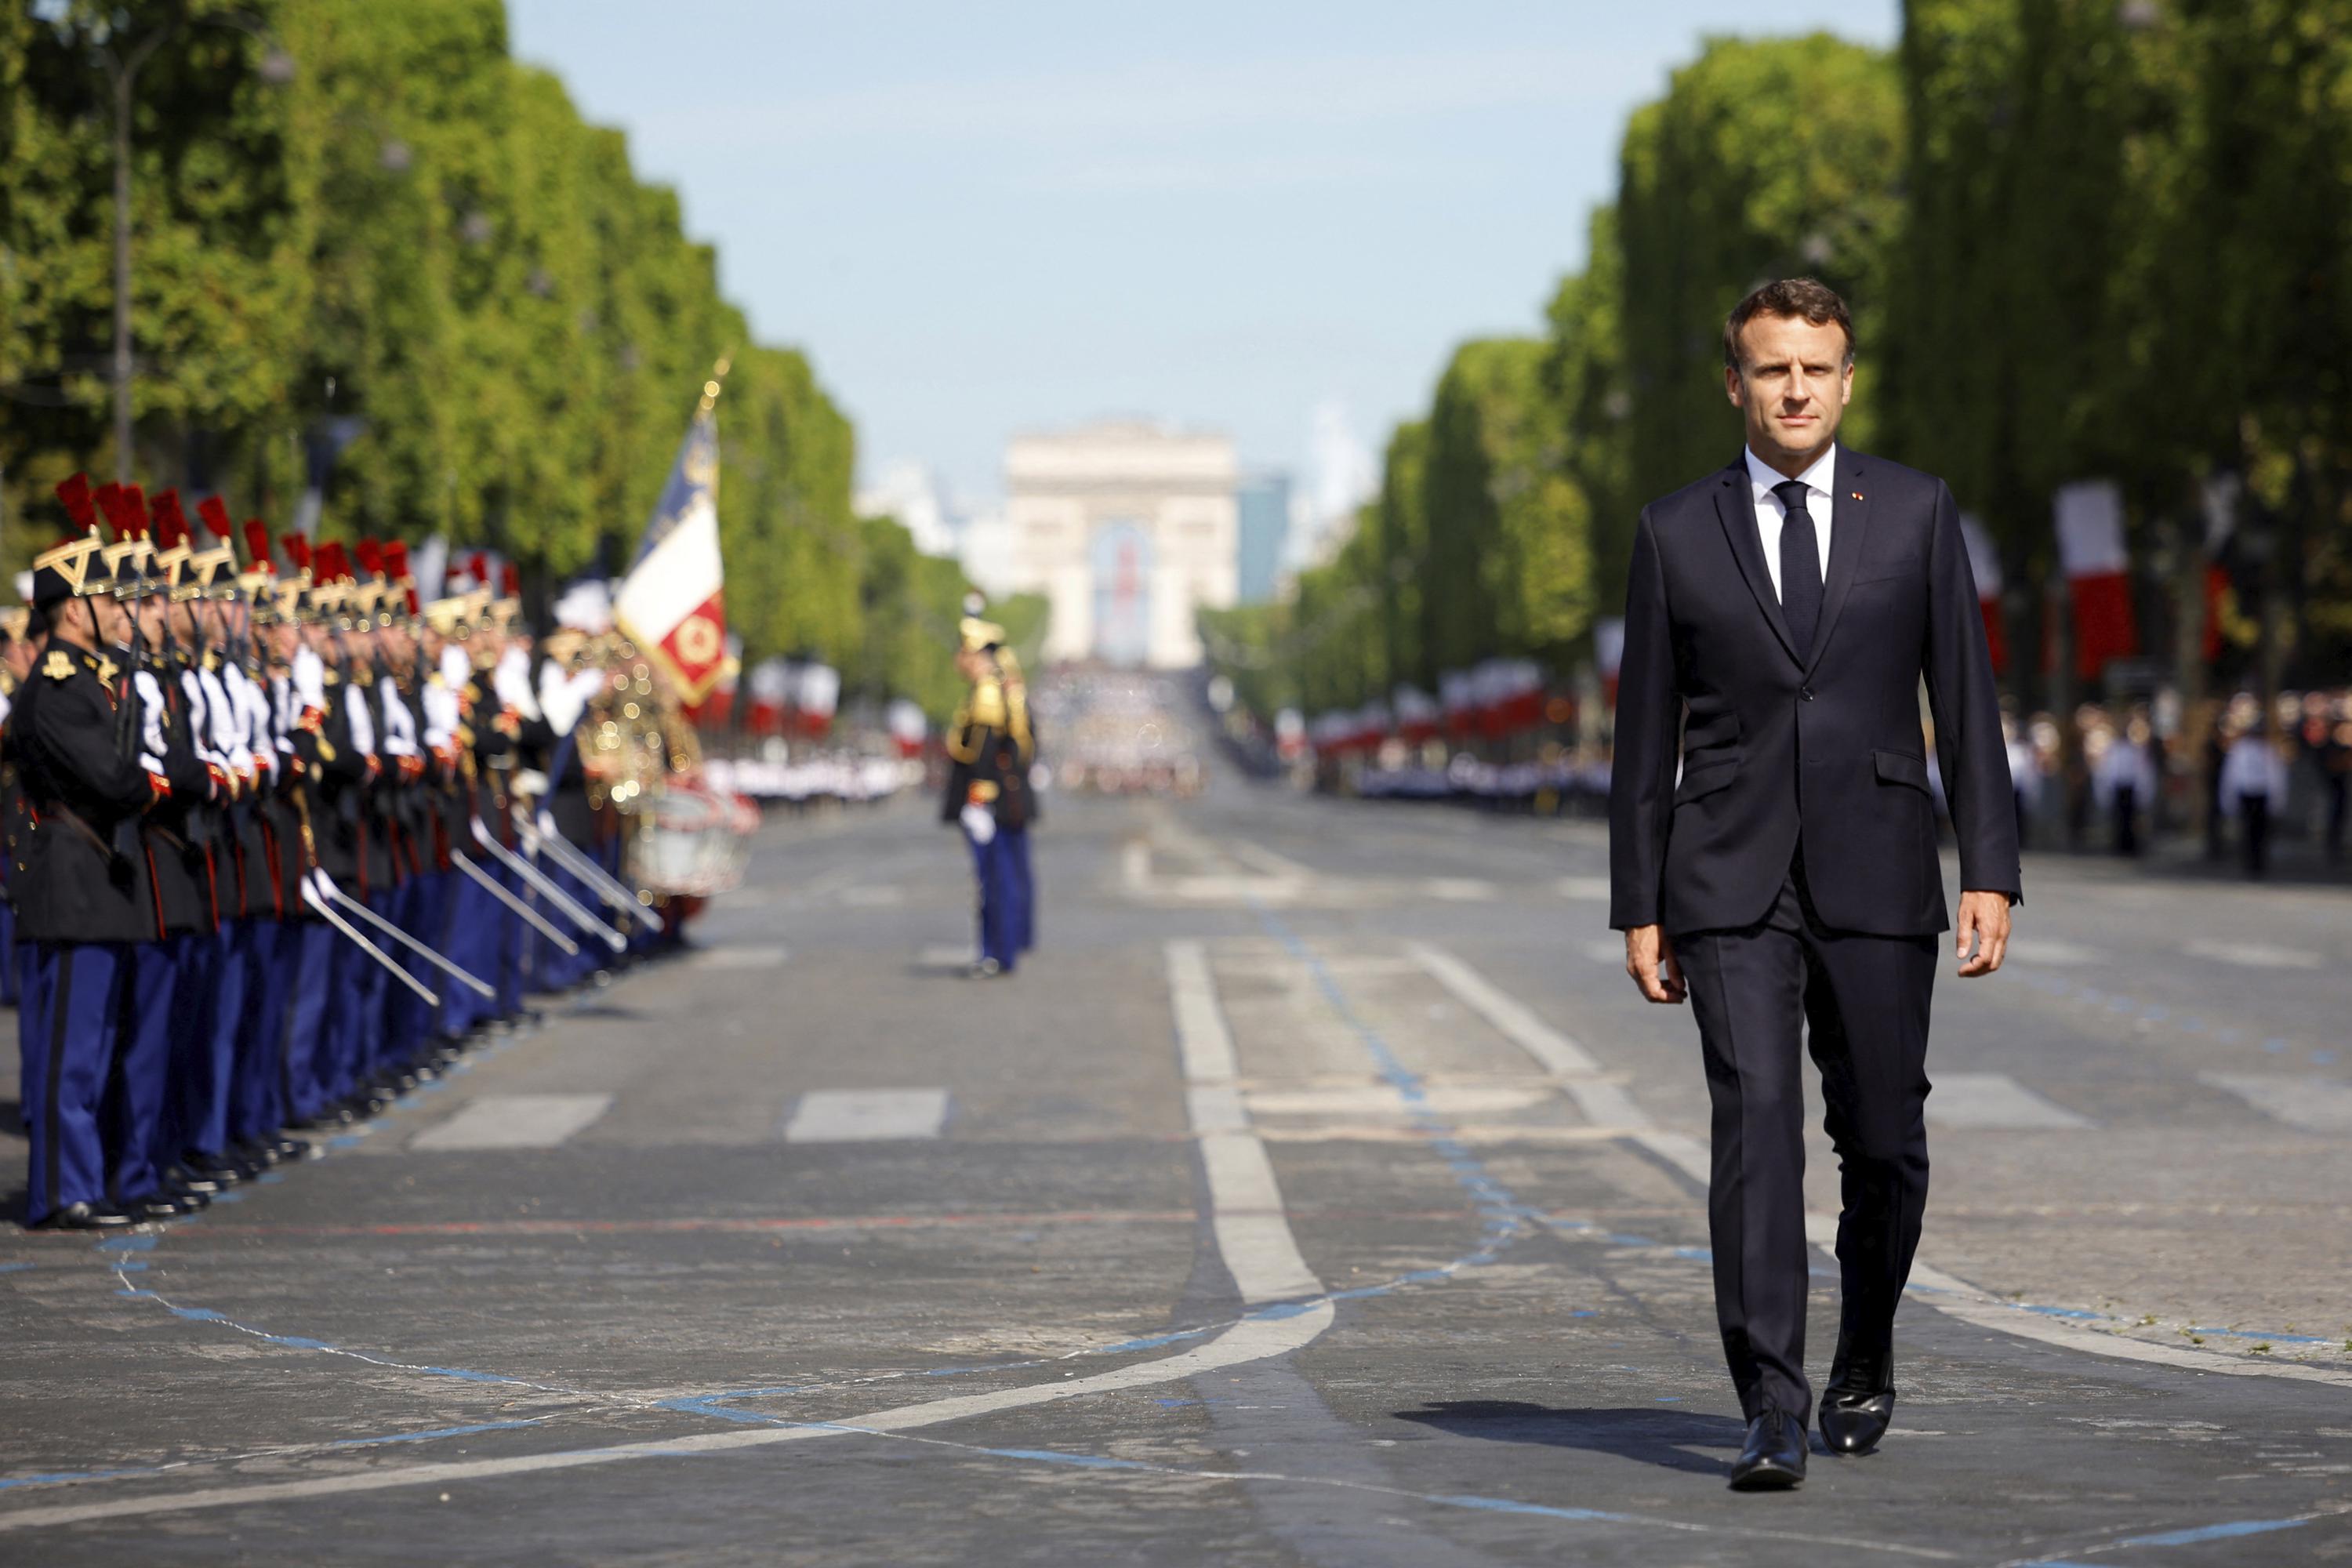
333	676
58	665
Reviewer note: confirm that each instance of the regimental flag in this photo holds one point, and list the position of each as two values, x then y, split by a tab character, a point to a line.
671	601
2090	517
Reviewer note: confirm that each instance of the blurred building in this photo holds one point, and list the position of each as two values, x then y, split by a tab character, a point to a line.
1129	526
1263	503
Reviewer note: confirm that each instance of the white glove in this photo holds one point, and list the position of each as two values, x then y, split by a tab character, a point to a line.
978	821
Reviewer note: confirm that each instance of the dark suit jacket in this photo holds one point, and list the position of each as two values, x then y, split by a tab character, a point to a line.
1816	750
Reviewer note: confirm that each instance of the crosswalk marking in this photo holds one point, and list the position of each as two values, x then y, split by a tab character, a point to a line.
2312	1103
867	1115
514	1121
740	957
1994	1100
2254	954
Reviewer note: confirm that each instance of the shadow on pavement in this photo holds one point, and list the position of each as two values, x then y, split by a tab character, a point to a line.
1650	1434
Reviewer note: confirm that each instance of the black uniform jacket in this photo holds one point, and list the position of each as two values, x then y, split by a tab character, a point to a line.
180	830
1815	747
66	875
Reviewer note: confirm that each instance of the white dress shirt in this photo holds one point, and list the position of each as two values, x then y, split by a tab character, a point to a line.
1762	477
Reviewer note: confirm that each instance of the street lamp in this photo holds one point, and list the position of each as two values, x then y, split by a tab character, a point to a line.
122	67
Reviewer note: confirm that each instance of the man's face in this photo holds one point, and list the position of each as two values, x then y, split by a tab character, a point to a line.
152	613
1792	383
110	619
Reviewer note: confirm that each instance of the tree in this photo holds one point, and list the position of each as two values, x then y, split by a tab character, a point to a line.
1765	158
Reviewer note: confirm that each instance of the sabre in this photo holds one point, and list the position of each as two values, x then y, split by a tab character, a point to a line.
600	881
497	890
463	977
326	913
563	900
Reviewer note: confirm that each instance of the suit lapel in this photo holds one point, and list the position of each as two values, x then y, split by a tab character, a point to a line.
1734	504
1849	523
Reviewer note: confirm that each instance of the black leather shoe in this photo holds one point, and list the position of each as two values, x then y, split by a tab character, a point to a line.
185	1179
158	1207
1773	1460
1855	1419
223	1170
83	1217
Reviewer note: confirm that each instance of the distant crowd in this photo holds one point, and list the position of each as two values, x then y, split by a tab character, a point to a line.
2110	778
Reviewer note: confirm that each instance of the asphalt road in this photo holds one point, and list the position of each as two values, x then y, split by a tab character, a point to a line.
1322	1193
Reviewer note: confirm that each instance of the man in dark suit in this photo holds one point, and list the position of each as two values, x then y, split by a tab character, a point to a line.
1781	618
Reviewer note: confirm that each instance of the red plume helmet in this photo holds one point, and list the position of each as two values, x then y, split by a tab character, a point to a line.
480	567
511	582
75	494
256	545
413	607
215	516
134	507
298	549
170	522
371	556
395	560
334	562
109	501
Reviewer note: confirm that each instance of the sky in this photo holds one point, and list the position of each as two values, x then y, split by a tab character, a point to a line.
1272	219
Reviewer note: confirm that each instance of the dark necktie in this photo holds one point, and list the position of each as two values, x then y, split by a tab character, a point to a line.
1801	565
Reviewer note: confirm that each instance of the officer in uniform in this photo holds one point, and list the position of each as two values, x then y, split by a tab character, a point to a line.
991	748
78	872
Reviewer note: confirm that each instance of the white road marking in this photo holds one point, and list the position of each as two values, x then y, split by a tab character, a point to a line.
1994	1100
1382	1099
1250	1228
945	955
1585	889
1602	1103
2254	954
1259	858
867	1115
1245	1200
1955	1296
739	957
514	1121
2312	1103
1203	1044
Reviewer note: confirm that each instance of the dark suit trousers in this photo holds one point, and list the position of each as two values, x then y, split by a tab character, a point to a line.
1866	1001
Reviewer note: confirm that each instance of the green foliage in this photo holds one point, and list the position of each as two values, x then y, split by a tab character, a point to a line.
371	214
1766	159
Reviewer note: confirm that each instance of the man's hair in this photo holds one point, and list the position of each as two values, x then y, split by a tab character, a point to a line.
1814	300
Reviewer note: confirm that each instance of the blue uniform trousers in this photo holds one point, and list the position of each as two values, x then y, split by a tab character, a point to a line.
415	908
257	1105
138	1086
460	932
1025	887
208	1014
67	1031
1000	891
515	939
311	948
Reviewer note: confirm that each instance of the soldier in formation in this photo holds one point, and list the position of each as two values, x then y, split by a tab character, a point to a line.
283	841
991	747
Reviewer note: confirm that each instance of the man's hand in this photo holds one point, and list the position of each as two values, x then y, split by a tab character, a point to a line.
1984	917
1650	960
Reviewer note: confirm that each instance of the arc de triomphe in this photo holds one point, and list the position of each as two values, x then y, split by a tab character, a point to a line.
1129	526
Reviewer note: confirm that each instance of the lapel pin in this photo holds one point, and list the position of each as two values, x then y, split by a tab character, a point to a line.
1856	494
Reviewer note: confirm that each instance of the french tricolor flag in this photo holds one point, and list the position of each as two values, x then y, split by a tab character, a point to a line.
671	603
